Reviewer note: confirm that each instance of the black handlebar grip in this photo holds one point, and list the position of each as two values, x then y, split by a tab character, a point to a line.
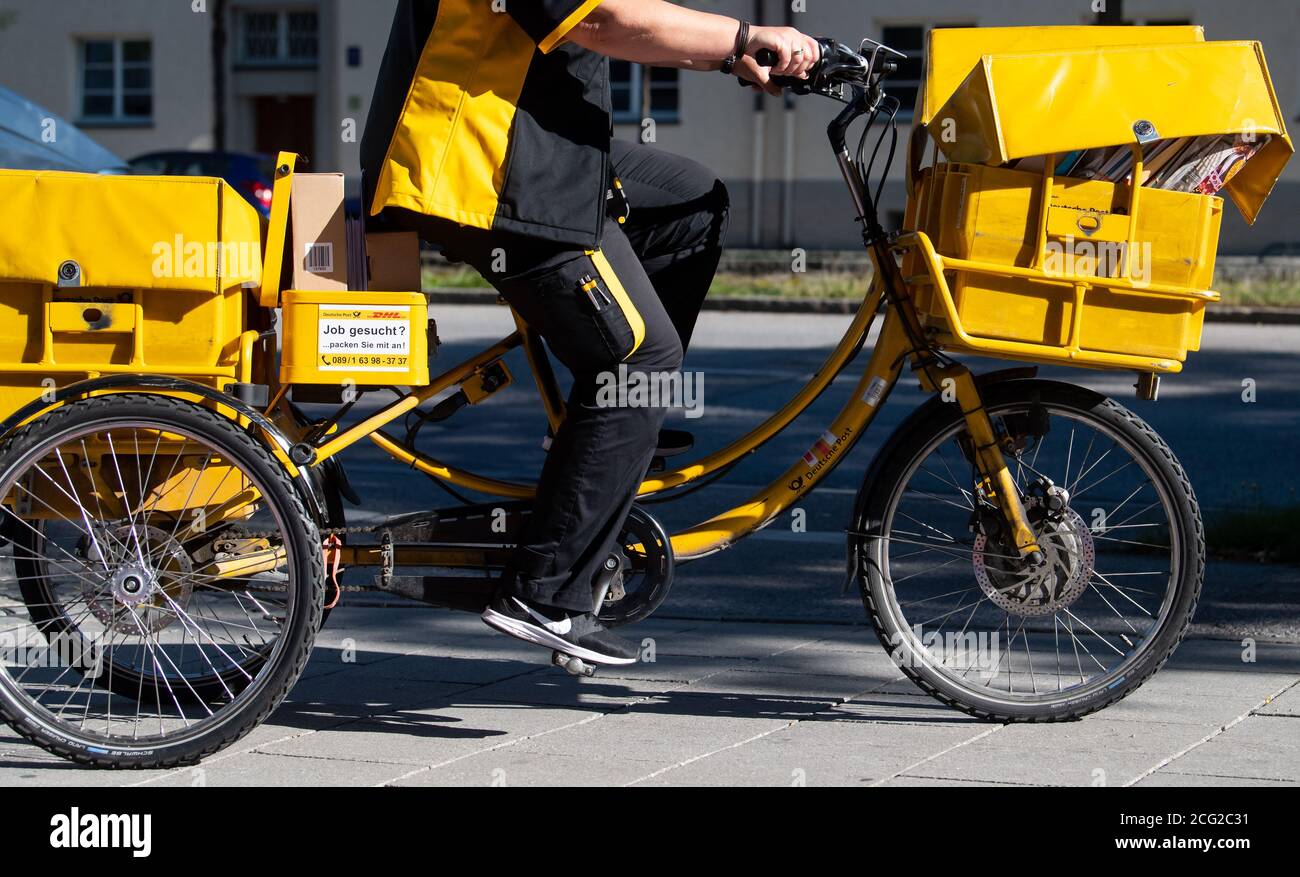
789	82
769	58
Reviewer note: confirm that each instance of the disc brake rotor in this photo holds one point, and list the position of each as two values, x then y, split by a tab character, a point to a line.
1036	591
154	591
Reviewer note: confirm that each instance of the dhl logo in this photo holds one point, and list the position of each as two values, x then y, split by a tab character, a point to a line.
363	315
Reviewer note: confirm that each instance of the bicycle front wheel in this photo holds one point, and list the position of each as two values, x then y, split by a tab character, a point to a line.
1003	639
163	585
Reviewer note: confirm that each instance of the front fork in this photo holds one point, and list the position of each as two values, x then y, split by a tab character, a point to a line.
995	479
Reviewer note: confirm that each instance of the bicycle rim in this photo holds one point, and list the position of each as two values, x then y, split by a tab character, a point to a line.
120	599
960	606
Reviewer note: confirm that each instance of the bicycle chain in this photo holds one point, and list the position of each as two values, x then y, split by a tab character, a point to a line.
325	534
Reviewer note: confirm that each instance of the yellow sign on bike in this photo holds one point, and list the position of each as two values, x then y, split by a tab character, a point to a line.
333	337
364	338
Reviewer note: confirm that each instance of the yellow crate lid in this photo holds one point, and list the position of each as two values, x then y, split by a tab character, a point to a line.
129	232
951	52
1034	103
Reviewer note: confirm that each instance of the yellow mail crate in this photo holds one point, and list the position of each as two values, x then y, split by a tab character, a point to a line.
365	338
109	275
1032	266
953	53
992	216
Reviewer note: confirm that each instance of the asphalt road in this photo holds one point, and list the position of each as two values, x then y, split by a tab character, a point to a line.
1238	454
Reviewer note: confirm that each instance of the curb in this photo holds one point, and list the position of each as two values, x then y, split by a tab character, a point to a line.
1258	316
1265	316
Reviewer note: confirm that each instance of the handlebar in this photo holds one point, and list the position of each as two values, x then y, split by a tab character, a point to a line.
769	58
837	63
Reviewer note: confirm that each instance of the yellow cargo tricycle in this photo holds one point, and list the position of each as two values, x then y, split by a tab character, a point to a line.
1026	550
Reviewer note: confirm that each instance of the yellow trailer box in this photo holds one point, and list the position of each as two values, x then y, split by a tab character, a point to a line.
122	274
187	234
132	474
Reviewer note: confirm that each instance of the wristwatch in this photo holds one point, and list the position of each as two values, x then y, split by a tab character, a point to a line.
738	51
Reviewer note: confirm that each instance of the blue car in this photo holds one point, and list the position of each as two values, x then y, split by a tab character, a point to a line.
32	138
252	175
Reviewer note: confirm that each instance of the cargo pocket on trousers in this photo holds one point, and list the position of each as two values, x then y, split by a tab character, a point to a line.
588	322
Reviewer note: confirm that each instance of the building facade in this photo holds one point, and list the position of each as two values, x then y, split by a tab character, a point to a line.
263	75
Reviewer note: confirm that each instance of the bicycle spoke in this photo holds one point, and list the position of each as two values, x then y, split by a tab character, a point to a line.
139	629
1063	624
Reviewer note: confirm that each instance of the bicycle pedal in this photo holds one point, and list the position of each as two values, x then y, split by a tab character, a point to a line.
671	443
674	443
571	665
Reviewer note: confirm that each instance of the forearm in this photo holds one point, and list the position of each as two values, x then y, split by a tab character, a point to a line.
657	32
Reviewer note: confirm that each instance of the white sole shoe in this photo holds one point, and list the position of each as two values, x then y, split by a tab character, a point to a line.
542	637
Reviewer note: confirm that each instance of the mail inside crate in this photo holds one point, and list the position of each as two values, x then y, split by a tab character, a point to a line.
1202	165
128	232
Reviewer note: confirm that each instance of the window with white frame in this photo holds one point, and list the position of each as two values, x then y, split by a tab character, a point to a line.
278	37
906	83
627	86
116	78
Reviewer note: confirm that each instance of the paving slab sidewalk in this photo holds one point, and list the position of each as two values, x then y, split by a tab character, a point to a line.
423	697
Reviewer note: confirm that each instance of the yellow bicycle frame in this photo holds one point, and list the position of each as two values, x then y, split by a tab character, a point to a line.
878	379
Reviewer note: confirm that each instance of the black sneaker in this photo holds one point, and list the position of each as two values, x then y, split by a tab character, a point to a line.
578	634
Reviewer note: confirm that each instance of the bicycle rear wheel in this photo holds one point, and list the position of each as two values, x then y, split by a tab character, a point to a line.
163	585
993	635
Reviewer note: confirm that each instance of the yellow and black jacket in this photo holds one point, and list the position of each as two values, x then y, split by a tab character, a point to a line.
485	115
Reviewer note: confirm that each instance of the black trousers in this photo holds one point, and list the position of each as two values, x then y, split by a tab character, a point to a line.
633	303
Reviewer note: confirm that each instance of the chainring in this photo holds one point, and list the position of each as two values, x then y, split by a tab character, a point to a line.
647	573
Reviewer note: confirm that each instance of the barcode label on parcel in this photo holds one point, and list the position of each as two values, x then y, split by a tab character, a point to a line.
365	339
319	258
